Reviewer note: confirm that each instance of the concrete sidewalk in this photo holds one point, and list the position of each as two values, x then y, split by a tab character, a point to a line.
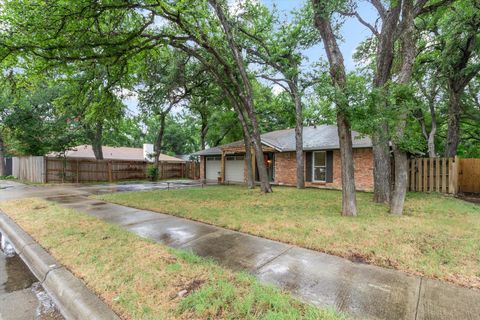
324	280
362	290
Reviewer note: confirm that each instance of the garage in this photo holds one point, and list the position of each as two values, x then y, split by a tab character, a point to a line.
212	167
235	168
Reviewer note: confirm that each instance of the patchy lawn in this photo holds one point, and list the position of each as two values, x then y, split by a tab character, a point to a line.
438	236
141	279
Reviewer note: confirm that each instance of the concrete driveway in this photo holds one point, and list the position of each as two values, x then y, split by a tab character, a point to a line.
15	190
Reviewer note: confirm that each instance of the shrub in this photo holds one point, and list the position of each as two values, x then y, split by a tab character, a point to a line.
152	172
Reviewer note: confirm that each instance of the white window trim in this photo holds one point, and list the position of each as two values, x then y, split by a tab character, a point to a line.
313	166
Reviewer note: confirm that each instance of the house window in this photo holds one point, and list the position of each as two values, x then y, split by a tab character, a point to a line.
234	157
319	166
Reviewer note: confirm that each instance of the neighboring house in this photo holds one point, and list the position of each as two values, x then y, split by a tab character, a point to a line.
185	157
118	153
321	155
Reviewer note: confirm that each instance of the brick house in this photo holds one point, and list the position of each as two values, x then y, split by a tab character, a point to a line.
227	164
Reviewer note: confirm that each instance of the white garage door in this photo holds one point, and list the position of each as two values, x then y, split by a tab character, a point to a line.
234	168
212	167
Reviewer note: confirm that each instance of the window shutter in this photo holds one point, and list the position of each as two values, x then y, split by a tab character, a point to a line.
308	166
329	173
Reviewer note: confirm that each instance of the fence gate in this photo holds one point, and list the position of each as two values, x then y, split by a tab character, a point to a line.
469	176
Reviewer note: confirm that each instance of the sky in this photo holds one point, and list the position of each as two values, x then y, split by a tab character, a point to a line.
352	31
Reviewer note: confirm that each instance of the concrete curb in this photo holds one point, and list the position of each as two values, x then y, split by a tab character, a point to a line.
72	297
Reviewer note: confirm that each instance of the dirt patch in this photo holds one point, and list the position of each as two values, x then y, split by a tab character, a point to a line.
358	258
100	203
189	288
470	197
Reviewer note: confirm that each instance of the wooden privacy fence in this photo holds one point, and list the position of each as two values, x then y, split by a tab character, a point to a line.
29	168
469	175
445	175
59	170
87	170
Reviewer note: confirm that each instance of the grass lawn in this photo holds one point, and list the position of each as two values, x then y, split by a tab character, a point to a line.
438	236
141	279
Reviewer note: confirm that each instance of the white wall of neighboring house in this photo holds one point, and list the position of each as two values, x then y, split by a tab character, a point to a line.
148	152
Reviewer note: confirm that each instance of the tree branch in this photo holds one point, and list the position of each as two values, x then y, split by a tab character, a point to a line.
361	20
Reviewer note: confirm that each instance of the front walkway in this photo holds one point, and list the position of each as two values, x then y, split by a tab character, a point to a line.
324	280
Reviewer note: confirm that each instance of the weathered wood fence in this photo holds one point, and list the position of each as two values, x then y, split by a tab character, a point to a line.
61	170
469	175
29	169
445	175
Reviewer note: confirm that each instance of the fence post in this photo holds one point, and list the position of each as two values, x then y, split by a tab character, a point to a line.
425	175
430	186
444	175
78	171
45	169
419	175
454	175
109	169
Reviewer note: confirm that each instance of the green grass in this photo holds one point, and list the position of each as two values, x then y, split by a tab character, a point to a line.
141	279
438	236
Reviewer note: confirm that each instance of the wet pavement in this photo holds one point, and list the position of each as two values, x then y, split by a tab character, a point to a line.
13	190
362	290
21	295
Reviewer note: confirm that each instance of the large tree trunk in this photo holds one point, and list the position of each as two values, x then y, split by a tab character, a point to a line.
337	73
157	147
453	132
433	132
246	138
458	81
265	186
381	148
298	136
203	131
97	141
3	169
349	205
431	96
408	50
248	159
381	167
246	96
401	180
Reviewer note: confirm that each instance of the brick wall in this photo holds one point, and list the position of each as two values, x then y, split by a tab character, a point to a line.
285	169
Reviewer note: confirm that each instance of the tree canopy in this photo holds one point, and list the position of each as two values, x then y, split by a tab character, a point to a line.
213	73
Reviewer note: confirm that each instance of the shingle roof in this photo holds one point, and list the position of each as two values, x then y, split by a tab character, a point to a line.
322	137
113	153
